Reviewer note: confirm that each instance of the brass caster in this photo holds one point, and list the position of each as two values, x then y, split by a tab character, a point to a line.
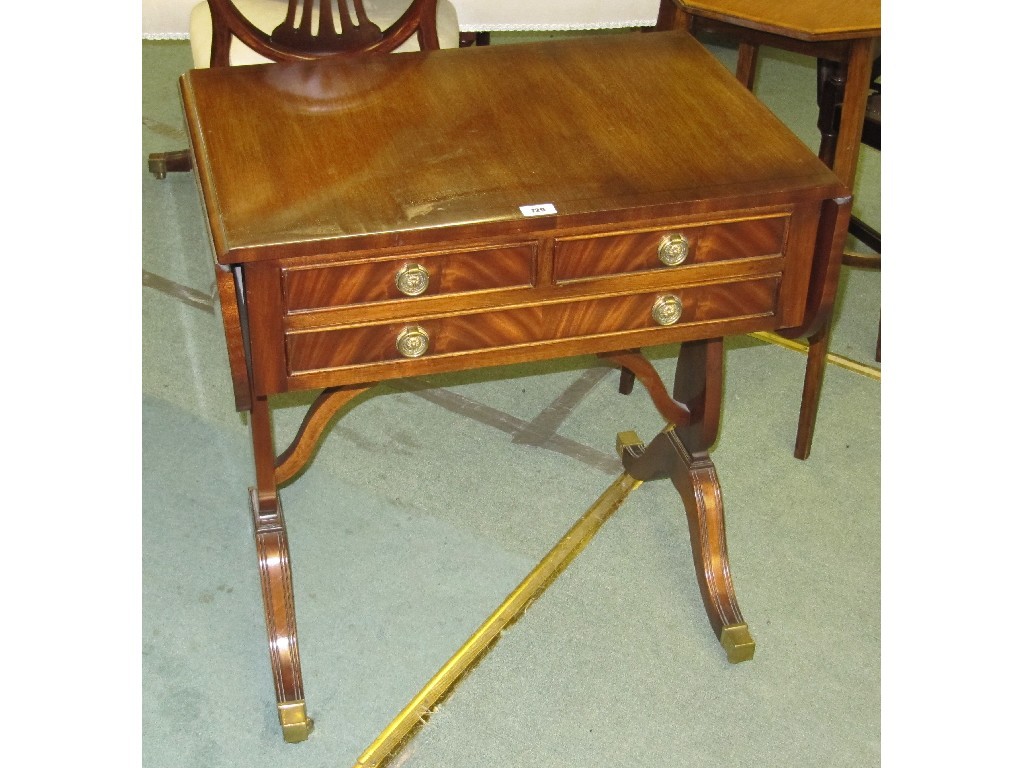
158	167
625	440
295	724
162	163
738	644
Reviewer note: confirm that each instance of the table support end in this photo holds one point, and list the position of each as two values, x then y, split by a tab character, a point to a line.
737	642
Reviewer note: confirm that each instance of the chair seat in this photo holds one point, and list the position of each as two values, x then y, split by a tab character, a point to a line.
267	14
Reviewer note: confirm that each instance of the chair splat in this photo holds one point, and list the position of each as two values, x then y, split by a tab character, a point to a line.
326	39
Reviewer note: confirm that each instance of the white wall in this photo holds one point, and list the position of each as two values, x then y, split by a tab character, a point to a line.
166	18
169	18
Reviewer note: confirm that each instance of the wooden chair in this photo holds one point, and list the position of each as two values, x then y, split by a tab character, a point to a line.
238	32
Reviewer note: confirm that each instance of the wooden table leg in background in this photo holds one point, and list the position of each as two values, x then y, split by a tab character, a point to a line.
854	57
840	153
855	101
844	162
671	16
681	453
746	65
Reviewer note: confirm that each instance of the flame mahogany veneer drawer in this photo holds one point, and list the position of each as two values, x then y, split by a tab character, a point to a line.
601	255
325	349
323	286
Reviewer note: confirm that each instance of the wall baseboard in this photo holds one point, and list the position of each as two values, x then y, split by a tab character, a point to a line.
165	36
561	27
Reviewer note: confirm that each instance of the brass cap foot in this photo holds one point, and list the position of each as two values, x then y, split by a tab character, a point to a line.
627	439
295	724
738	644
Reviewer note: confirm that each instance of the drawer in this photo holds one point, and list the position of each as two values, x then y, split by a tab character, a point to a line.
325	349
322	286
595	256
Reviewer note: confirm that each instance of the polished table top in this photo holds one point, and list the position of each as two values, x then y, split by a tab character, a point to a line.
402	149
801	19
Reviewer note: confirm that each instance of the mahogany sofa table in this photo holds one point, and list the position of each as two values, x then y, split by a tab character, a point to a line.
409	214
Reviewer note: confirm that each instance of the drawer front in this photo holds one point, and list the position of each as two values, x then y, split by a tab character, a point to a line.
596	256
324	286
334	348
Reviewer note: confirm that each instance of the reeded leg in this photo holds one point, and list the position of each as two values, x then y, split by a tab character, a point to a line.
276	582
272	545
680	452
279	611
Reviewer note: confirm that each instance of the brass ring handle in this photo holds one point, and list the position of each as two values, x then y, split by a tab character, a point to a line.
412	341
412	279
673	249
667	309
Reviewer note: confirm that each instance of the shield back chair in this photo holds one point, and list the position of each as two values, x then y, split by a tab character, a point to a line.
239	32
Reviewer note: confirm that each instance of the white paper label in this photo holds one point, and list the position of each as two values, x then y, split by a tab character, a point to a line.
538	210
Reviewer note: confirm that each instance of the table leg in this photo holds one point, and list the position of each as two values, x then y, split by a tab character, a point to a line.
276	580
681	453
842	151
854	105
814	377
831	83
746	65
672	16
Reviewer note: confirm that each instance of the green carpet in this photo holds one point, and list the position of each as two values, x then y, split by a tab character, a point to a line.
431	499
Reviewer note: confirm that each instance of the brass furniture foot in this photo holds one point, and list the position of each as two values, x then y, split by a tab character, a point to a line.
162	163
295	723
738	644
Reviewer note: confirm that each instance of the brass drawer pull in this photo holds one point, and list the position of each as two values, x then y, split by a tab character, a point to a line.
412	341
667	309
412	279
673	249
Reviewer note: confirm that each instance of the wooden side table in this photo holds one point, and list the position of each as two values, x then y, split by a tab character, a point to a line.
409	214
841	31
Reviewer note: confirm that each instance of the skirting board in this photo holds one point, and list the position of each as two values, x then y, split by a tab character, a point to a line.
628	24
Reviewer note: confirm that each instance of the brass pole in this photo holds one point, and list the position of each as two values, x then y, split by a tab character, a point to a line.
544	573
